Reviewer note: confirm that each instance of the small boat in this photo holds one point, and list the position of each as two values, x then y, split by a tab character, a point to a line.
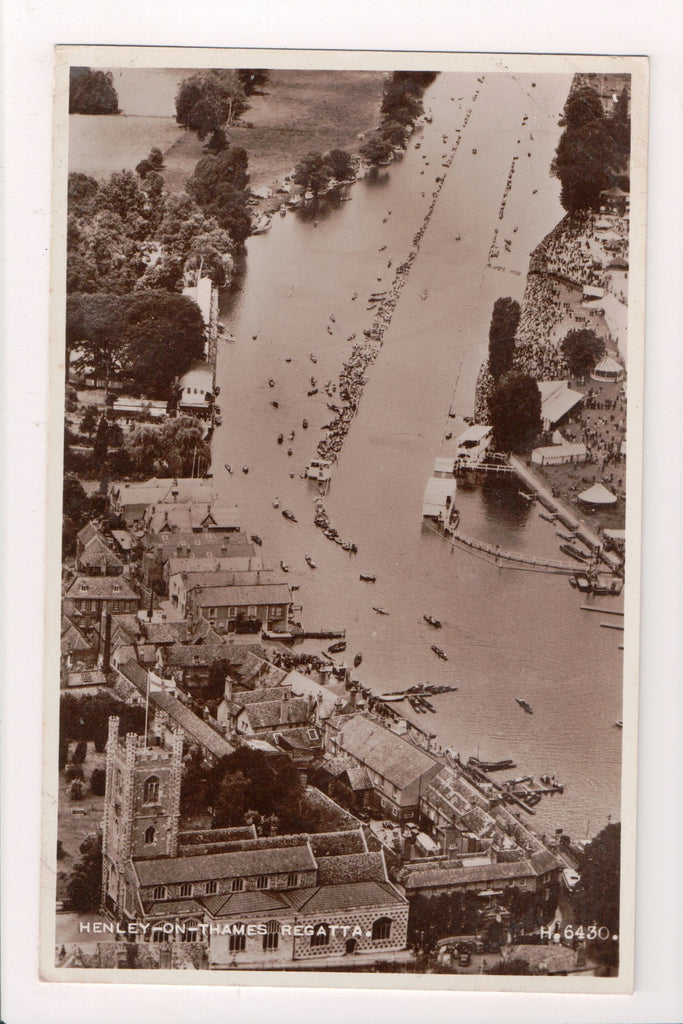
439	653
276	503
271	382
491	766
256	539
310	562
217	390
294	586
380	611
228	468
245	469
548	519
284	566
218	420
357	660
368	577
335	648
354	296
275	405
312	391
289	451
619	724
305	424
280	438
527	497
457	238
332	318
432	621
474	152
313	359
523	704
289	515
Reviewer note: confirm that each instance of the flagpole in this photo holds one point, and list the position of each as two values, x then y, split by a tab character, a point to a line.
147	709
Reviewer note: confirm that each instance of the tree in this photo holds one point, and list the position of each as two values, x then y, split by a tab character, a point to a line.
101	443
163	336
583	106
341	163
401	100
394	133
218	673
98	781
515	408
80	753
504	321
89	421
313	172
92	92
209	99
619	126
376	150
583	162
251	78
94	326
597	894
219	186
582	349
81	191
178	448
253	780
85	882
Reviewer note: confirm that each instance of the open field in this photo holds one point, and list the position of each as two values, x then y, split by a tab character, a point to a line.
297	111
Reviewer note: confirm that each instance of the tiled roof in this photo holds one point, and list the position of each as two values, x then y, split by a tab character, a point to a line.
97	554
333	844
246	863
258	902
111	587
544	861
358	778
231	578
270	714
72	641
87	533
433	877
352	867
383	751
200	545
194	727
166	908
186	655
212	564
239	596
264	693
350	896
301	738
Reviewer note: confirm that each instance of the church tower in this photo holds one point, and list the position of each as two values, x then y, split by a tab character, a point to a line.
141	809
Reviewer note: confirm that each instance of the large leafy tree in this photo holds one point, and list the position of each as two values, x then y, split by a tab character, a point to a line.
219	186
584	161
341	163
504	321
209	99
583	106
178	448
313	172
84	885
582	348
251	78
94	325
375	149
163	336
253	780
515	408
597	894
92	92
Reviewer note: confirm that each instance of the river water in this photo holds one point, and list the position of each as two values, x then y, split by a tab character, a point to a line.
507	633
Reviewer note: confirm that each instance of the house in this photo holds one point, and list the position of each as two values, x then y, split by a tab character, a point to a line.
250	901
182	582
262	718
196	391
473	443
191	545
190	665
397	769
129	500
181	568
228	607
96	558
438	498
87	597
193	517
75	650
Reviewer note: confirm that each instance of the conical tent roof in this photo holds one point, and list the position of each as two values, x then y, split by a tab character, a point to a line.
609	365
598	495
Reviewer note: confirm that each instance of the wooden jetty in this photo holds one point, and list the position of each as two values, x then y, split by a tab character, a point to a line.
603	611
323	634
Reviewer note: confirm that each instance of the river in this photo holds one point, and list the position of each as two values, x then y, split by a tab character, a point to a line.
507	633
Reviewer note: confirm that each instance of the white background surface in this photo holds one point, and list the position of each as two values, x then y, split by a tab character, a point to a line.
30	31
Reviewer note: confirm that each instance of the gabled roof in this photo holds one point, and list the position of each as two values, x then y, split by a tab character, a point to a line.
241	864
353	867
334	844
114	588
87	533
557	398
271	714
348	896
228	577
234	904
96	554
383	751
186	655
433	877
209	597
192	545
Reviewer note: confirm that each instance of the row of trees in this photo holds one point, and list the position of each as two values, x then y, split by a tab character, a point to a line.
315	171
401	107
504	321
86	718
593	151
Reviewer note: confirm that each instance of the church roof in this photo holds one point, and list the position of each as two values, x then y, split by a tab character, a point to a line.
240	864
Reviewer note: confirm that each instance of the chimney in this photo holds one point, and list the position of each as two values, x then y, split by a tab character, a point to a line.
106	657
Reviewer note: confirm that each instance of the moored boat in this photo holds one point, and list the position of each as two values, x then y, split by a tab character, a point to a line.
357	660
340	645
368	577
578	556
523	704
380	611
310	562
284	566
439	653
256	539
289	515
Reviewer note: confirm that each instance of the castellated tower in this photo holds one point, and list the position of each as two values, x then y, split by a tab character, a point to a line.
141	808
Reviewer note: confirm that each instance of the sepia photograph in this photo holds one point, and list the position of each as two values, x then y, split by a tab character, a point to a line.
344	628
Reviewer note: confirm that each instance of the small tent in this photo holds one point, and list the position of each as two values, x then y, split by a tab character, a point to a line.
608	369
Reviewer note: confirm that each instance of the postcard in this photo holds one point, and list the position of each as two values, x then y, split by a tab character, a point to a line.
343	609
